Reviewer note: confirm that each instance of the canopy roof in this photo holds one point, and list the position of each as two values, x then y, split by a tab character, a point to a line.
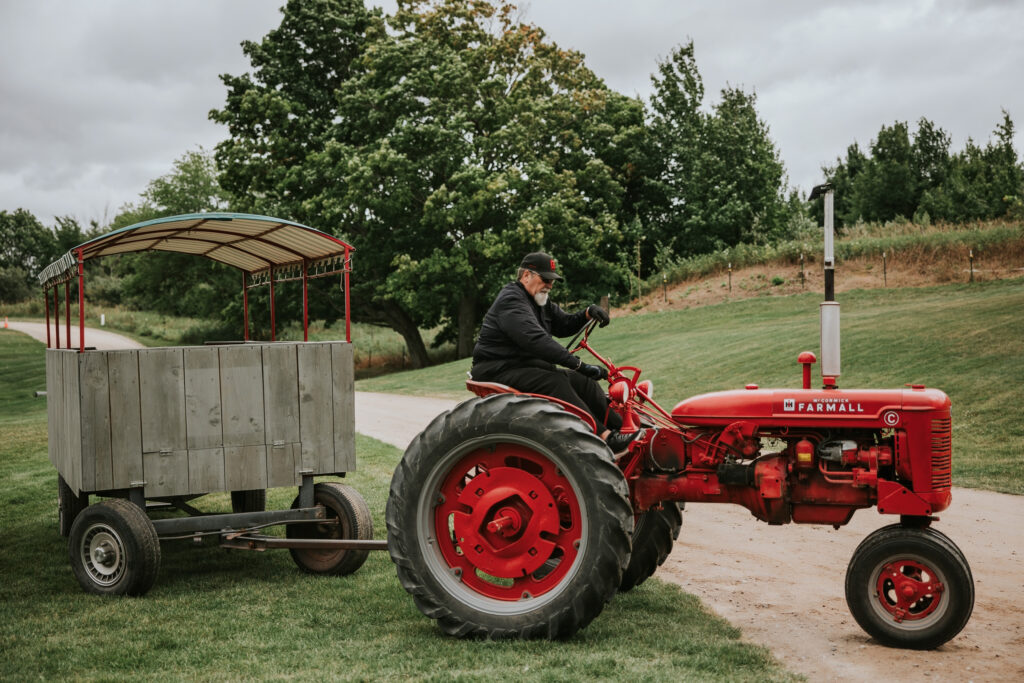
253	244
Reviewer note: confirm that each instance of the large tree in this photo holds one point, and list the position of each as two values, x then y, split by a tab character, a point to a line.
26	247
177	284
906	176
458	139
719	180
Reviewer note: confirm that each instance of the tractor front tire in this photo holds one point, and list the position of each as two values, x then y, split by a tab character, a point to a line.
507	518
655	532
909	587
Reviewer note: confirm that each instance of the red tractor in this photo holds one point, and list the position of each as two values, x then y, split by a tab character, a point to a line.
509	517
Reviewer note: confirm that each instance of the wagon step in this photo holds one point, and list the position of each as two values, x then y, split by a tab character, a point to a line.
262	542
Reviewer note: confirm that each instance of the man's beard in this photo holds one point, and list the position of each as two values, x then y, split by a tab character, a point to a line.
541	298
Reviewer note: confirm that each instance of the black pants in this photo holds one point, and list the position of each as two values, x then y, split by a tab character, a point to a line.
566	385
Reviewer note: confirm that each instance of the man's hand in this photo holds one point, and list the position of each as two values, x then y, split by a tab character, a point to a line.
595	312
594	372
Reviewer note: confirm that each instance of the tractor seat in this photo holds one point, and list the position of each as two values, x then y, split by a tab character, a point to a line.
482	389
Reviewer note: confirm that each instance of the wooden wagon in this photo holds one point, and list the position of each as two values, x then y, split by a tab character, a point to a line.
159	427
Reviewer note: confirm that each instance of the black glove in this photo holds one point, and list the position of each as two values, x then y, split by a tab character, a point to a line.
599	314
594	372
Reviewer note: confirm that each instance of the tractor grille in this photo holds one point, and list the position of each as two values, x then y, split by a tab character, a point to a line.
942	454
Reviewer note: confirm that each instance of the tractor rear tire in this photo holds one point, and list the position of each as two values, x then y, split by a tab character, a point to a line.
655	532
348	517
909	587
507	518
114	549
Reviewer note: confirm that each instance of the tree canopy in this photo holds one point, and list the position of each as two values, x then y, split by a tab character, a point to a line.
916	176
717	178
460	138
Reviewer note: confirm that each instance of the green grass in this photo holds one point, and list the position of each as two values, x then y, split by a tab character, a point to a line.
967	340
230	615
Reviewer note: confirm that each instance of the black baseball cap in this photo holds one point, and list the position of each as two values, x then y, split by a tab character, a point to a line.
542	264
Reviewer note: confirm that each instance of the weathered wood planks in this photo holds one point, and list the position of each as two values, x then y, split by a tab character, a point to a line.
188	421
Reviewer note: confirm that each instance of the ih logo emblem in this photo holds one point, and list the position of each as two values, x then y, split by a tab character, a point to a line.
789	404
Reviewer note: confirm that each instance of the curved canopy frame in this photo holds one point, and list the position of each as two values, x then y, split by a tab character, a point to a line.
264	248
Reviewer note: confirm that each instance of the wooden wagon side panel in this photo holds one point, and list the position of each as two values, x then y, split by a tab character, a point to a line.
64	443
97	463
316	416
125	418
54	410
281	401
242	407
342	363
71	436
204	432
164	443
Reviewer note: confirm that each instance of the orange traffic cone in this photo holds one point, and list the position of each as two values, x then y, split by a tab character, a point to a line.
5	322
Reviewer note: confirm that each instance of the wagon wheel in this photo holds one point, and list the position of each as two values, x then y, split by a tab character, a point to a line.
254	500
69	506
653	535
114	549
909	587
348	517
508	519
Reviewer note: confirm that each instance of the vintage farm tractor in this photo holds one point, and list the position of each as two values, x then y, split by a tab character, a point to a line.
509	517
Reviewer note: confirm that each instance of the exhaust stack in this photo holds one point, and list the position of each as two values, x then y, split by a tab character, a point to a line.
830	366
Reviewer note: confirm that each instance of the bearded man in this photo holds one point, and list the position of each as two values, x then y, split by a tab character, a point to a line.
515	347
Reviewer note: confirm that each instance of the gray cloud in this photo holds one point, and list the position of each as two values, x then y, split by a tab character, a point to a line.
98	98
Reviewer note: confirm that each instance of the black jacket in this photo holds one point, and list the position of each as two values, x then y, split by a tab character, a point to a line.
516	331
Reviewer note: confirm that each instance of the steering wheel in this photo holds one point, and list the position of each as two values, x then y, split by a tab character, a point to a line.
585	331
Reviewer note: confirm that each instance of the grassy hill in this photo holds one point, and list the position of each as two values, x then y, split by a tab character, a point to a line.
966	339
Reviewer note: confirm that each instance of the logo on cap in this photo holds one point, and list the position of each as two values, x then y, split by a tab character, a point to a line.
552	264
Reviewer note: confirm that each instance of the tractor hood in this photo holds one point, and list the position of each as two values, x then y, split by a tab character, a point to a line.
813	405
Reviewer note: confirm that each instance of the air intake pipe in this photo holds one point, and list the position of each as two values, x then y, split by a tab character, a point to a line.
830	369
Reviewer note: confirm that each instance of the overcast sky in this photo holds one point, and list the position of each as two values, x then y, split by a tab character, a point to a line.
99	97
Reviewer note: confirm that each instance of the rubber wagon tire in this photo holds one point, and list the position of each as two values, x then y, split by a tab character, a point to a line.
933	572
348	516
252	500
507	518
655	532
114	549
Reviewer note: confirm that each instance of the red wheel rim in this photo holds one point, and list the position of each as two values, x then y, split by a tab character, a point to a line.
908	590
508	522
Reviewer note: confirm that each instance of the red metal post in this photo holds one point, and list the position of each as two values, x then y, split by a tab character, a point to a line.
67	312
46	302
348	317
81	302
245	305
272	330
305	303
56	314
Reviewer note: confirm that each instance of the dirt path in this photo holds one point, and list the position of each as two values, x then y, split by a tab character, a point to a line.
783	586
98	339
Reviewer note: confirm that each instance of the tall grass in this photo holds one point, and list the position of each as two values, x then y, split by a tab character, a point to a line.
906	240
965	339
232	615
